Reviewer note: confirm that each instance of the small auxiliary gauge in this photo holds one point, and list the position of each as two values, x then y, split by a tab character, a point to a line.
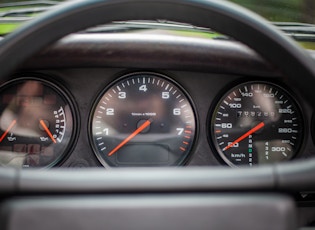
256	123
36	124
143	119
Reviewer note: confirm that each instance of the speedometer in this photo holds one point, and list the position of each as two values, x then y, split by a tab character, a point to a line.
143	119
256	123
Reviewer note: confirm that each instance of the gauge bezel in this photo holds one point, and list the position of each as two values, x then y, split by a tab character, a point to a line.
65	94
121	77
230	88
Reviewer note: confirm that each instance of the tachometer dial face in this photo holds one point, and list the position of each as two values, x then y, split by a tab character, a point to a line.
143	119
36	124
256	123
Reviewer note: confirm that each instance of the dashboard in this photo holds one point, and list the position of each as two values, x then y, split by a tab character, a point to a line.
100	99
108	102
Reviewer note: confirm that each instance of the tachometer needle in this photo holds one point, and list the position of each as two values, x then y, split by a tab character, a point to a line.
8	130
47	130
250	132
135	133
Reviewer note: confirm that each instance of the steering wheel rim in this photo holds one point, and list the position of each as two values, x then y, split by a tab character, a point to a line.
222	16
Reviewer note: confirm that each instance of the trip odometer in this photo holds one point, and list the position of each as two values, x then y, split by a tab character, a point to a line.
143	119
256	123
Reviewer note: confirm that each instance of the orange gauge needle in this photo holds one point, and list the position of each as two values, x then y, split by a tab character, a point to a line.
47	131
135	133
253	130
8	130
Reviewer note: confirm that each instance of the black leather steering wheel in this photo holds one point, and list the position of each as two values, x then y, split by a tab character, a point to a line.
221	16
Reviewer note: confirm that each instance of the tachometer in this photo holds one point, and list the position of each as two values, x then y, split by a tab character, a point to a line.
36	123
256	123
143	119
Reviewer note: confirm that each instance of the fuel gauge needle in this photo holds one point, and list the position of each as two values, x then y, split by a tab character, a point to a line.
250	132
135	133
8	130
47	130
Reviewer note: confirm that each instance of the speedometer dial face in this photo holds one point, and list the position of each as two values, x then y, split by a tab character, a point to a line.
143	119
256	123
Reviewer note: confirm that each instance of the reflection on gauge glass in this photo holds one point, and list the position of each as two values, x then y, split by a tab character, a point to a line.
256	123
36	124
143	119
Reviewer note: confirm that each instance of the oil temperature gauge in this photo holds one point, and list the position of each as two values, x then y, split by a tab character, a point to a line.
36	124
256	123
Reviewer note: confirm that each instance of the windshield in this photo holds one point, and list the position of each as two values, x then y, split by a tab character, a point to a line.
295	17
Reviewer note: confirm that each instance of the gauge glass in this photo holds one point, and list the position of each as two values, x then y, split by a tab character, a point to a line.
256	123
36	124
143	119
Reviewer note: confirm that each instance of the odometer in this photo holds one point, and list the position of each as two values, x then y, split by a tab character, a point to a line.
143	119
256	123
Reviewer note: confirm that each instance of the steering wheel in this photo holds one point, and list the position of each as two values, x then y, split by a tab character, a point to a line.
222	16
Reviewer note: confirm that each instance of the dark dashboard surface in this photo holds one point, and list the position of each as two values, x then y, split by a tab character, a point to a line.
83	65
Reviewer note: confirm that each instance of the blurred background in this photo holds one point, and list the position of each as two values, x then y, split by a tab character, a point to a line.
282	10
287	15
274	10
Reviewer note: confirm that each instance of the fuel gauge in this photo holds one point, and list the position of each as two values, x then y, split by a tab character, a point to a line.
36	124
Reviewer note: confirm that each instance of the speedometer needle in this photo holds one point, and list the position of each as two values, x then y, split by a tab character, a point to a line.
47	130
250	132
135	133
8	130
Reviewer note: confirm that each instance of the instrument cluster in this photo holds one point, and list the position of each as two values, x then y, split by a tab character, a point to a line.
149	119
